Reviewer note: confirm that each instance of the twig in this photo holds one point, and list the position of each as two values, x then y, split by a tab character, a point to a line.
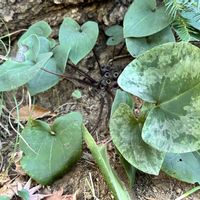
82	72
121	49
70	78
119	57
97	60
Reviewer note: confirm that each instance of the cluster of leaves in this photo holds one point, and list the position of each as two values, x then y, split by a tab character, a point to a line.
148	24
166	77
39	54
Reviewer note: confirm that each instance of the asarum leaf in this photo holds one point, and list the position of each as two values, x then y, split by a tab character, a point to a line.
61	54
143	18
79	39
14	74
138	46
50	151
126	133
44	80
184	167
122	97
40	28
32	43
126	98
169	77
115	34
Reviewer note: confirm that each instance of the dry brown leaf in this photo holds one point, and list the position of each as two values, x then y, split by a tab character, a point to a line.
58	195
34	112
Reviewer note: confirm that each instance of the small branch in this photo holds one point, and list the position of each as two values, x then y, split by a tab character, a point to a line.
82	73
97	60
70	78
119	57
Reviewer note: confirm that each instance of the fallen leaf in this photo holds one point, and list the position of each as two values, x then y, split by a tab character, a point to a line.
34	112
58	195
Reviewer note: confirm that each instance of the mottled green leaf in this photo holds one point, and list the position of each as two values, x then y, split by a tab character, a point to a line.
115	34
122	97
14	74
126	98
40	28
100	155
169	77
125	131
143	18
49	151
184	167
138	46
79	39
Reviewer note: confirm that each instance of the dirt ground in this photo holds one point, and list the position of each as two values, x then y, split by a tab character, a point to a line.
85	177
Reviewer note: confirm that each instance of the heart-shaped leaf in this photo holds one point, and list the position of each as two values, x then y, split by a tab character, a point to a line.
14	74
44	80
51	150
61	54
143	18
126	131
100	155
40	28
184	167
169	77
138	46
115	34
32	43
126	98
79	39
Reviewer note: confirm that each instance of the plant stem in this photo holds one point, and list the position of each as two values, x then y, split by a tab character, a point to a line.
188	193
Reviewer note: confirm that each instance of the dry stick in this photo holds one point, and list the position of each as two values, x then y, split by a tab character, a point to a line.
82	73
70	78
119	57
97	60
121	49
102	102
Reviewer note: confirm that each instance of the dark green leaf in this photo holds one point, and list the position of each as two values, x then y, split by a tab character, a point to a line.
143	18
49	151
100	155
78	39
116	35
169	77
40	28
125	131
14	74
138	46
184	167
